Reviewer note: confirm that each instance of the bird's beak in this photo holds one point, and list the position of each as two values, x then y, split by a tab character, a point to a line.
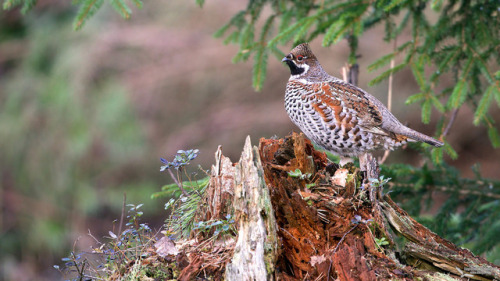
285	59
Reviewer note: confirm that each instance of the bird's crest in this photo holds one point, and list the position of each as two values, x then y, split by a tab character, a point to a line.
303	50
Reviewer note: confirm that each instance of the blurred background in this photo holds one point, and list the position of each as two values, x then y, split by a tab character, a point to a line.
86	115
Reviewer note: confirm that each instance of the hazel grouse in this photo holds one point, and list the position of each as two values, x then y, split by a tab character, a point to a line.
338	116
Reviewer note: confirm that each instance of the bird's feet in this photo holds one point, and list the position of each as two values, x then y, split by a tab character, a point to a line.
345	160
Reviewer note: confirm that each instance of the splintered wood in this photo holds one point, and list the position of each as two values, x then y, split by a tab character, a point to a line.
323	219
300	217
256	246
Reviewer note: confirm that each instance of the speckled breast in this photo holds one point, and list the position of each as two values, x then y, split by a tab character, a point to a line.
332	119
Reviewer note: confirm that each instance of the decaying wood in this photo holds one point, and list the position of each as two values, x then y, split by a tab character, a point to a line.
257	244
426	247
321	224
218	199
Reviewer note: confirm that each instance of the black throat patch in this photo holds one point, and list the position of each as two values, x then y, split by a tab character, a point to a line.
294	69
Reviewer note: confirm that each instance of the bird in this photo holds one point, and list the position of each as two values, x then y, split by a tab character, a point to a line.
338	116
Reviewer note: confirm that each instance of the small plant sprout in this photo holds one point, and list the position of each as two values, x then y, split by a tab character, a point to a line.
223	226
181	159
123	248
378	241
379	182
358	219
381	242
298	174
310	185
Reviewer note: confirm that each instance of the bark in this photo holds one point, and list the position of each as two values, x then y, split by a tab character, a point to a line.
320	224
256	246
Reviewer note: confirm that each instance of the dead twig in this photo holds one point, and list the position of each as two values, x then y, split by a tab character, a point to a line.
122	217
179	184
389	94
452	120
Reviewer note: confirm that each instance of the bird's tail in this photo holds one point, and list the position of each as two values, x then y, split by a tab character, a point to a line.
416	136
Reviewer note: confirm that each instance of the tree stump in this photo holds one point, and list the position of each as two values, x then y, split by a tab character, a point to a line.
300	217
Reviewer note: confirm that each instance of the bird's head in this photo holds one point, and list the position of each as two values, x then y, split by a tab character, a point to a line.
300	60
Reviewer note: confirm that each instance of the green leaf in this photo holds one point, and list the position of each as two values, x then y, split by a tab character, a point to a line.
9	4
295	174
277	52
334	32
450	151
357	28
467	67
414	98
459	94
289	32
484	70
238	21
484	104
302	31
122	8
497	75
426	111
200	3
232	38
436	5
496	92
138	3
242	55
494	136
87	9
437	155
266	28
448	60
222	30
418	72
172	190
286	18
381	62
393	4
437	104
27	6
386	74
246	36
259	68
402	25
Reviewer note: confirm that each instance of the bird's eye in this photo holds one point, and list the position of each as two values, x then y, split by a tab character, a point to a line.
299	57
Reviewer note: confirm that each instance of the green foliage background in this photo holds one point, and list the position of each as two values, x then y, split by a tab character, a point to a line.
449	39
64	138
458	38
71	142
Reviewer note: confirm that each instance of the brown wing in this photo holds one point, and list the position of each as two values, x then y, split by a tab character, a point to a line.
350	100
